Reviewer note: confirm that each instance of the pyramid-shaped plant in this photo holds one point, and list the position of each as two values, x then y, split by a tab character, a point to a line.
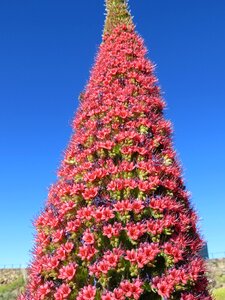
118	224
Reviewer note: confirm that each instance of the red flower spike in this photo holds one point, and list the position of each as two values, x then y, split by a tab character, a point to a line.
120	208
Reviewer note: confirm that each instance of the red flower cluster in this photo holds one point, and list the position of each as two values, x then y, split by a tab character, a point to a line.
143	255
126	290
173	278
118	224
109	261
87	293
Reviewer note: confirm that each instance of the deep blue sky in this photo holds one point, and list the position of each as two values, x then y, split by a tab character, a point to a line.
47	48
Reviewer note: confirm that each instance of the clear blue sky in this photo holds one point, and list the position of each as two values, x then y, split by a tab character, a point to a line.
47	48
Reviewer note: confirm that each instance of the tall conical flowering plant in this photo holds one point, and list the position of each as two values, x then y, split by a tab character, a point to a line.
118	224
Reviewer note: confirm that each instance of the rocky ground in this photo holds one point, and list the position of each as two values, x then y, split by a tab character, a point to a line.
216	273
11	283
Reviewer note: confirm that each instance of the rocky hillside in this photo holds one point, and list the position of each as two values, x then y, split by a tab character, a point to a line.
216	268
11	283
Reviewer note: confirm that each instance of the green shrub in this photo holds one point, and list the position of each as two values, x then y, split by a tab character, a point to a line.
219	294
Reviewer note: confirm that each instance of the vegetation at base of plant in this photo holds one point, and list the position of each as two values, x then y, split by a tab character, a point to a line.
219	294
17	284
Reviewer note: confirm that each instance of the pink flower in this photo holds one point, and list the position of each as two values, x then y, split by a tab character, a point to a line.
157	204
123	113
107	213
103	214
142	150
137	206
119	294
183	276
108	231
164	289
62	292
127	166
123	206
100	173
136	289
90	193
85	213
57	235
99	215
68	247
143	255
111	168
111	259
67	272
142	165
174	251
116	185
87	293
150	250
134	231
86	252
143	186
131	255
90	177
154	227
64	189
50	262
132	289
103	267
103	133
42	239
44	290
127	150
77	188
108	296
107	145
61	253
88	237
130	183
66	206
73	226
141	259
